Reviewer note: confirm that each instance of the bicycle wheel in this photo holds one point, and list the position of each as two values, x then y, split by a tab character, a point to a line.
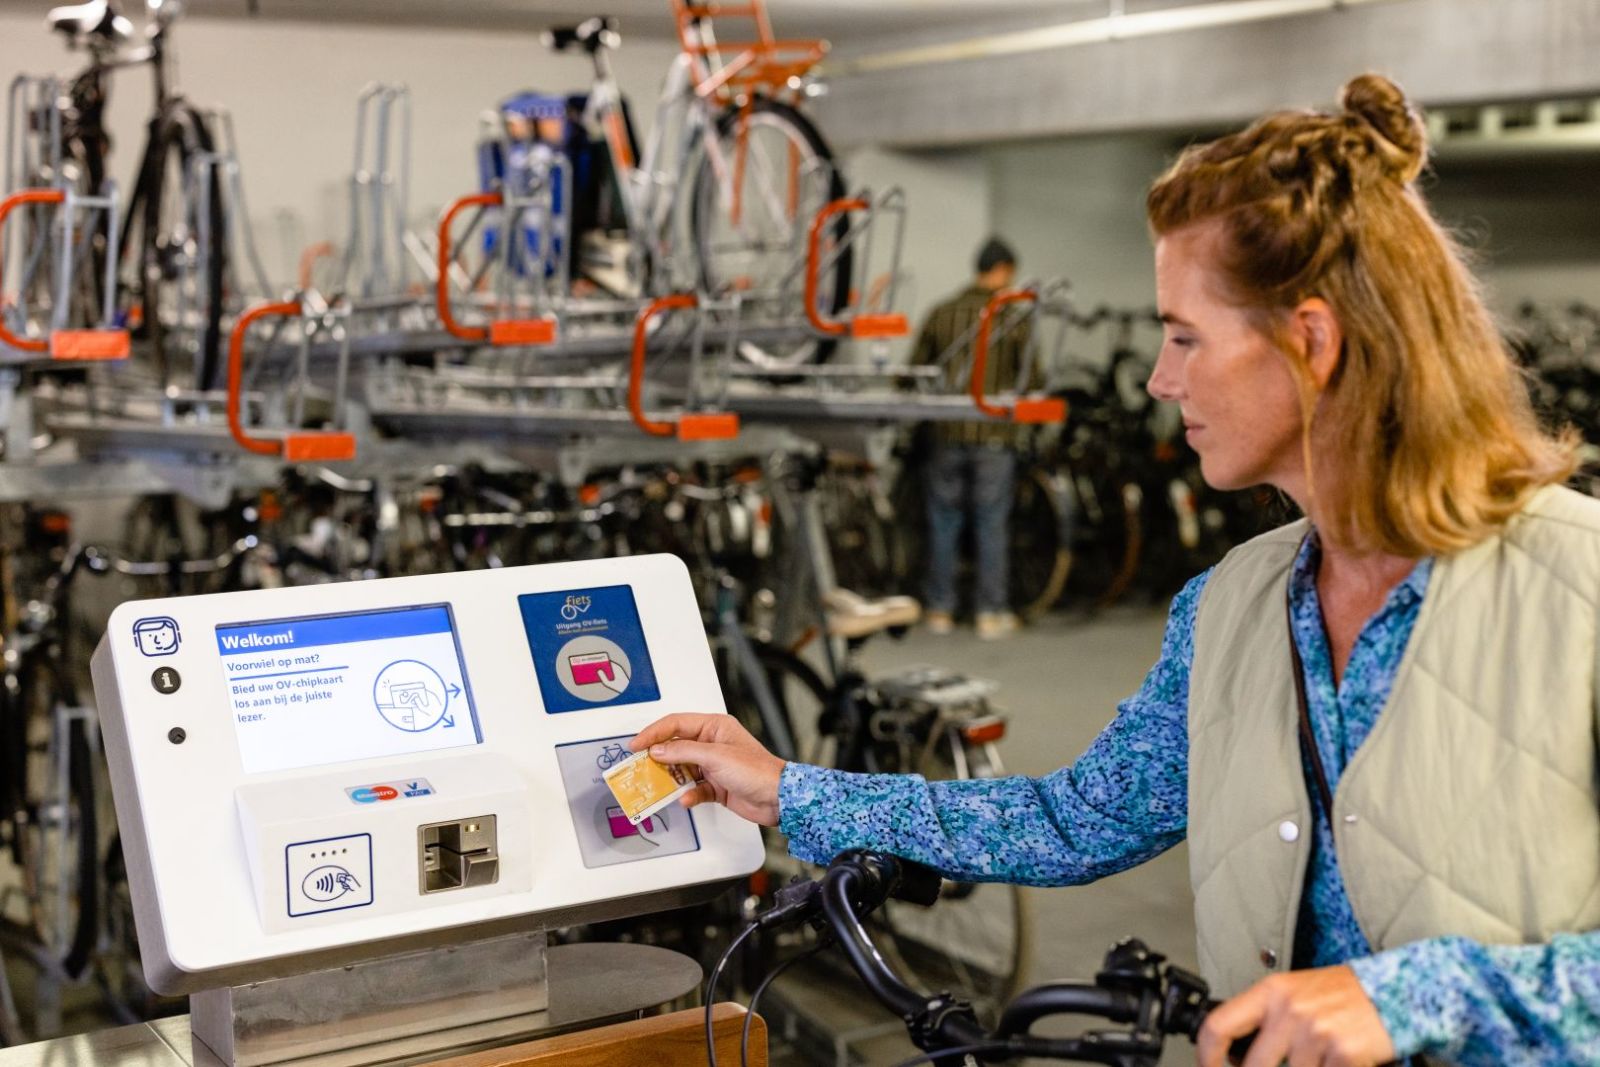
860	522
1041	541
799	697
750	230
118	968
180	251
55	829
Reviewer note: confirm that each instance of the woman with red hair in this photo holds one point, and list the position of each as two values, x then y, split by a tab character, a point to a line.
1376	727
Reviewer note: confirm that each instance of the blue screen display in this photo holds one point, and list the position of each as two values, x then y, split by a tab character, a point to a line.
330	688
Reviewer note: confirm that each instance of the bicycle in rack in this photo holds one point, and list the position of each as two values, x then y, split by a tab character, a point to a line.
174	250
731	176
50	796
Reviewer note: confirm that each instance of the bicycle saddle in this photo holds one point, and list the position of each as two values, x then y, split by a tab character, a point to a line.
851	615
97	18
591	35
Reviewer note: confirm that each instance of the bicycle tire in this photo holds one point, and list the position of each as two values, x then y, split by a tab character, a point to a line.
780	665
179	131
41	691
1040	544
836	289
862	537
1132	499
1040	564
119	970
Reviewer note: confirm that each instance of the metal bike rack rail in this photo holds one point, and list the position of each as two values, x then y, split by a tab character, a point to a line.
60	342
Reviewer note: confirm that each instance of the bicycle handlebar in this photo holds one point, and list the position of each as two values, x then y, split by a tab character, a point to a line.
1136	988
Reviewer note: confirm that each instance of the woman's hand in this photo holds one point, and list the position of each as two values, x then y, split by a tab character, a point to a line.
738	773
1309	1018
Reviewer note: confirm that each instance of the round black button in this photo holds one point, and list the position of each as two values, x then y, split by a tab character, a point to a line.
166	680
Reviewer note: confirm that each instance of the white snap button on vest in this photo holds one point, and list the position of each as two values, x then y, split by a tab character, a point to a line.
1288	831
1349	819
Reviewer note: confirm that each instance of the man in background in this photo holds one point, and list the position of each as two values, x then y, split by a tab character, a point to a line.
972	468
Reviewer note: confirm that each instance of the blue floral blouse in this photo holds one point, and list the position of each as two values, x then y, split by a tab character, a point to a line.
1125	801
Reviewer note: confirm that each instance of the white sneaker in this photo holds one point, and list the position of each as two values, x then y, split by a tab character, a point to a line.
993	625
939	622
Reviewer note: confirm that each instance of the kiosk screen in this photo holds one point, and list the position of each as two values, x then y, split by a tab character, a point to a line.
331	688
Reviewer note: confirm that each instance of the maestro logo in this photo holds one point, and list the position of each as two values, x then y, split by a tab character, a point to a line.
372	794
378	792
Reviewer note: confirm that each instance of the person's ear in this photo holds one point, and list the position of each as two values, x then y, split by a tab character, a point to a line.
1321	337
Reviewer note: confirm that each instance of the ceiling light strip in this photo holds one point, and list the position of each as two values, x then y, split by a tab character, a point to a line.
1093	31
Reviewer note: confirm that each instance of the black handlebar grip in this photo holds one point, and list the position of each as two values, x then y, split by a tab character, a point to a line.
917	884
560	38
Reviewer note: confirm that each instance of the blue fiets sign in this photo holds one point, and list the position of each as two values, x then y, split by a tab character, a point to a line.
588	648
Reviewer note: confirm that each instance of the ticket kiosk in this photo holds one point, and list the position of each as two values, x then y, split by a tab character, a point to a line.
386	780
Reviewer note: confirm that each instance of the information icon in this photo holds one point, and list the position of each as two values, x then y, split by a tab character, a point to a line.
412	696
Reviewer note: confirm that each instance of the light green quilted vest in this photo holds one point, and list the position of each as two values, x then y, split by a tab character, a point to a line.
1472	807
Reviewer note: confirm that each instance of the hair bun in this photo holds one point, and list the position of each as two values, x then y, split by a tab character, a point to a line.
1381	104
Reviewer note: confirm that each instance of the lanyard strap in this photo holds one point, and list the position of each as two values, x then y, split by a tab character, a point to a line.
1308	740
1308	747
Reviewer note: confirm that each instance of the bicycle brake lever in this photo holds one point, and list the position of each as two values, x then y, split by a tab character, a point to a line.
799	900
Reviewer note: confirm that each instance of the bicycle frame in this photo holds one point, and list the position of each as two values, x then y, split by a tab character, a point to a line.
685	120
649	185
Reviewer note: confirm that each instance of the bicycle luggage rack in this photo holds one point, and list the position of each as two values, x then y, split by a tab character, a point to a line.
766	62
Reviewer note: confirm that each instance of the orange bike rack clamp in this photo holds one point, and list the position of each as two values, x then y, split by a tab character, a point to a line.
506	332
76	345
313	446
690	426
861	327
1026	409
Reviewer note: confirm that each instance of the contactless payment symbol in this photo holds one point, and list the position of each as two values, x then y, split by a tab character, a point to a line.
157	636
327	883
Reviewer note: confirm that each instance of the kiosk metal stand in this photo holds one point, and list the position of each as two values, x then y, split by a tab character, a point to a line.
405	1005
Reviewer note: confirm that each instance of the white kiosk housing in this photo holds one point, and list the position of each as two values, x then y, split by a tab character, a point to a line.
312	777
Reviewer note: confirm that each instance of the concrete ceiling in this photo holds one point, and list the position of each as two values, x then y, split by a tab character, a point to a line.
837	20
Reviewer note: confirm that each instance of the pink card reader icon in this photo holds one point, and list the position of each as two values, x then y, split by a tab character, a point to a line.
597	668
620	826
